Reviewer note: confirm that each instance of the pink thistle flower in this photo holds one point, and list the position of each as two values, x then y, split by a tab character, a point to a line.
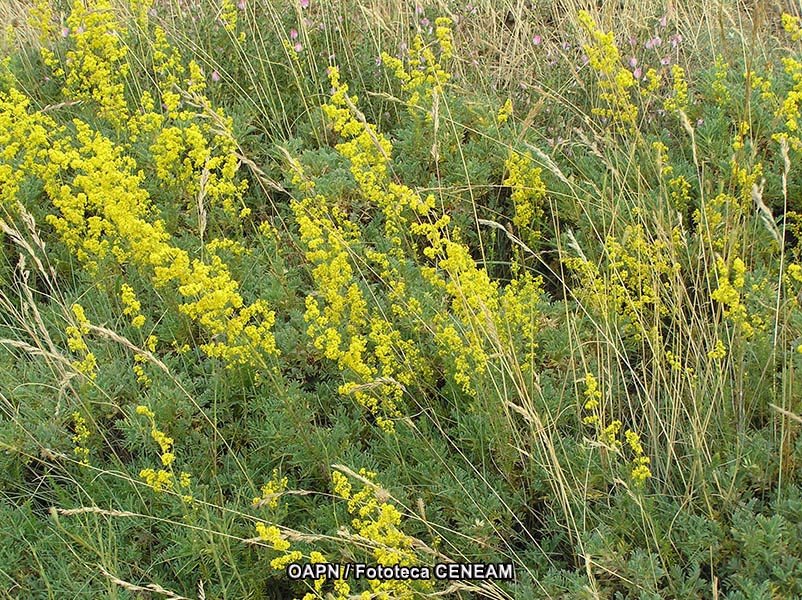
241	4
633	62
293	34
215	76
537	40
65	31
664	21
637	73
665	61
304	3
299	46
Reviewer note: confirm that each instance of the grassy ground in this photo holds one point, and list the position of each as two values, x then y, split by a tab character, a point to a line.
399	284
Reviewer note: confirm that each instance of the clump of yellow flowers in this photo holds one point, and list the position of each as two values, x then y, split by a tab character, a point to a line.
377	522
789	109
80	437
481	317
163	478
95	65
75	342
528	191
104	214
609	434
425	74
633	282
615	80
375	357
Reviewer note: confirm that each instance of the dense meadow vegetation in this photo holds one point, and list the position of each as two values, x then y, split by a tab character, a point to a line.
307	281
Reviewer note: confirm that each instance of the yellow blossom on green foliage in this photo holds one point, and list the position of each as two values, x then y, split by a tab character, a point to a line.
679	100
791	25
364	343
229	15
718	352
104	213
615	80
653	81
158	480
80	437
731	281
504	112
96	62
378	522
609	435
87	366
720	88
341	485
424	74
592	397
271	491
132	306
528	192
162	480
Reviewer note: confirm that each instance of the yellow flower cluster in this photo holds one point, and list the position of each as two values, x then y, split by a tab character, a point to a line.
378	361
616	80
378	522
75	342
789	109
679	100
609	435
339	320
745	180
271	491
479	310
104	213
634	283
731	281
273	536
592	397
369	155
164	479
425	75
642	272
640	462
505	112
139	370
528	191
718	352
195	156
680	193
720	87
716	218
96	63
23	144
80	437
132	306
229	15
663	165
140	10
